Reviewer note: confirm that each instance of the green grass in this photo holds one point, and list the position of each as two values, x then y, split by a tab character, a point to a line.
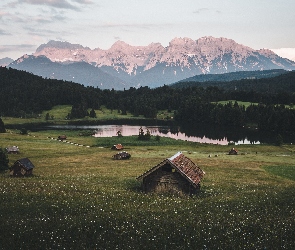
80	198
282	171
241	103
247	104
59	113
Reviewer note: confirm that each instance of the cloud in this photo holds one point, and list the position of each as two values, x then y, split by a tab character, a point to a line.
62	4
4	33
201	10
3	14
21	47
39	32
206	10
129	25
288	53
83	1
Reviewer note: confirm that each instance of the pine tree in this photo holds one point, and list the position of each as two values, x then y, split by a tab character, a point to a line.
2	127
92	113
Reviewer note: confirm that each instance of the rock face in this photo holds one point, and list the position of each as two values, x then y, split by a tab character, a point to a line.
155	65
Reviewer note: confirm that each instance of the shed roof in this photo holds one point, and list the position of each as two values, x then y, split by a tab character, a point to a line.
26	163
12	149
183	165
117	146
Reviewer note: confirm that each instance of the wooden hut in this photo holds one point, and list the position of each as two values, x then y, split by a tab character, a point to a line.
177	174
22	167
62	137
12	150
117	147
233	151
122	156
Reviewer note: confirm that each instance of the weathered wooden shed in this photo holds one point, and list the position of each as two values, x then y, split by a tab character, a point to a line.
122	156
12	150
62	137
177	174
117	147
233	151
22	167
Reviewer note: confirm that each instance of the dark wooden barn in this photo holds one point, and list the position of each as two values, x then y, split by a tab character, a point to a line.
177	175
12	150
22	167
233	151
122	156
62	137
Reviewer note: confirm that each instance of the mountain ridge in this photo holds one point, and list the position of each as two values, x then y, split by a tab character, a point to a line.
154	65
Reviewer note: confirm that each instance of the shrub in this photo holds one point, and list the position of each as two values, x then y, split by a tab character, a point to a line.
3	160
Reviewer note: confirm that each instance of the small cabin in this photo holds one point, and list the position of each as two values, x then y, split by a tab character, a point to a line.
122	156
233	151
117	147
62	137
12	150
22	167
176	175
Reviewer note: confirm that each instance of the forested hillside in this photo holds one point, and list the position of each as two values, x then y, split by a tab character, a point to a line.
233	76
26	94
280	83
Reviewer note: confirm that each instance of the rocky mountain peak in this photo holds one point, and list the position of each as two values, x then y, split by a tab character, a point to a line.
120	46
266	52
178	41
59	45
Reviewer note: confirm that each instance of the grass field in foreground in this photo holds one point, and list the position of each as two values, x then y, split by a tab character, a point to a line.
80	198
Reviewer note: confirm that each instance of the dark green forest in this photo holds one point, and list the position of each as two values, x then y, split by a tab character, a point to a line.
23	93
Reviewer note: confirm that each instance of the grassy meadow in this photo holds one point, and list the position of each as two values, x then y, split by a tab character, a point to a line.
80	198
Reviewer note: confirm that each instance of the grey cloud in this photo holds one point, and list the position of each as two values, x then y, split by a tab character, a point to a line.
205	10
122	25
40	32
63	4
21	47
83	1
4	33
201	10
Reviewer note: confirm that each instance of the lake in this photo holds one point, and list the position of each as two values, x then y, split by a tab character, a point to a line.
195	135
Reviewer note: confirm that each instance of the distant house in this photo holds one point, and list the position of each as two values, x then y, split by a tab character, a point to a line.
62	137
122	156
117	147
233	151
177	174
12	150
22	167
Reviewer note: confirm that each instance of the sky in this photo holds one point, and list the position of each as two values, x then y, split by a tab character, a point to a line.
26	24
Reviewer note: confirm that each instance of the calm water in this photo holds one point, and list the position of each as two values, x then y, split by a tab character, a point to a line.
163	131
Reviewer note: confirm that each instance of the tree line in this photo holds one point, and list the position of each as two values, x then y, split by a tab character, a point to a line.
23	94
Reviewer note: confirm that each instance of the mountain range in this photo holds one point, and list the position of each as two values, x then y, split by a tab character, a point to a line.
124	66
5	61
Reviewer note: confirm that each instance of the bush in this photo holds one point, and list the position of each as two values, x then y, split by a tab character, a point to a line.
144	136
3	160
23	131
